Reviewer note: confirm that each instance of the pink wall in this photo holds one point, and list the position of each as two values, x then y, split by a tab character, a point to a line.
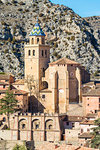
90	104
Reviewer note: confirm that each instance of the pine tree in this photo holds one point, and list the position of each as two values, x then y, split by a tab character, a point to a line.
8	104
95	142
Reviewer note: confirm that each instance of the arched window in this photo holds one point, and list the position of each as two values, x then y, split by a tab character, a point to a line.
32	40
23	126
33	52
37	40
42	53
50	126
45	53
43	41
29	52
36	124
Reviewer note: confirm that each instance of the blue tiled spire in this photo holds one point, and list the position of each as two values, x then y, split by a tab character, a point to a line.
36	31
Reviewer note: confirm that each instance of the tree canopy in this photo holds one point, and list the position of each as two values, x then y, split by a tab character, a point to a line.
95	142
8	104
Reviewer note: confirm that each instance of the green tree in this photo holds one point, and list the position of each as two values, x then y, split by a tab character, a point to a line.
19	147
8	104
95	142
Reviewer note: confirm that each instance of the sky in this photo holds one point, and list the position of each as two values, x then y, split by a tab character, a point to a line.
84	8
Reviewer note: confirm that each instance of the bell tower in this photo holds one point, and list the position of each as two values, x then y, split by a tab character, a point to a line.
37	55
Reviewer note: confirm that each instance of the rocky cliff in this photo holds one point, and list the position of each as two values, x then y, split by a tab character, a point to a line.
68	34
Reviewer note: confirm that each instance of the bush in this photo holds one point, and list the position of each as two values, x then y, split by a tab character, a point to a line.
1	2
6	51
21	3
41	15
3	23
55	45
58	56
55	53
72	38
20	147
20	9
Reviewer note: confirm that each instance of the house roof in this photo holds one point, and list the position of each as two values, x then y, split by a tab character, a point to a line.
91	115
73	118
37	30
93	92
3	91
87	122
4	83
19	82
64	61
15	91
85	135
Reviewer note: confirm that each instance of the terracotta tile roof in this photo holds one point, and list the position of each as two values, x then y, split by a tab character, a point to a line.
88	83
91	115
4	83
15	91
5	76
63	61
93	92
87	122
19	82
85	135
73	118
2	91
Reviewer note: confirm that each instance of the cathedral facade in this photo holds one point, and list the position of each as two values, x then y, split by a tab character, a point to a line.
58	83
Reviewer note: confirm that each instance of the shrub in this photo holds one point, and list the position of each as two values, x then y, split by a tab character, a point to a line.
41	15
3	23
21	3
6	51
72	38
19	147
20	9
55	45
55	53
58	56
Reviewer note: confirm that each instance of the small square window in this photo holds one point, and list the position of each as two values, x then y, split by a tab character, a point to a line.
43	96
87	104
3	86
73	125
67	123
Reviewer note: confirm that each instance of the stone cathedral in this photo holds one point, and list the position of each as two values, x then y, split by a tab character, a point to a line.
59	82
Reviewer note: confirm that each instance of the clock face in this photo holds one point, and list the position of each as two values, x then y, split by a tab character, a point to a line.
71	74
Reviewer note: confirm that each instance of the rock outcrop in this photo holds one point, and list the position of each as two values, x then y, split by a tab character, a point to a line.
69	35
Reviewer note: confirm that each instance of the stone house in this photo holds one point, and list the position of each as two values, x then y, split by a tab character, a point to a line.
72	122
91	100
6	82
88	123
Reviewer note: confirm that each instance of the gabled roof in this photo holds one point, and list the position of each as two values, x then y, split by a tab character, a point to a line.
85	135
21	92
37	31
93	92
5	76
63	61
19	82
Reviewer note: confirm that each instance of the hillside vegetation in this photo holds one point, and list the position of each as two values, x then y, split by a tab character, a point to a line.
68	34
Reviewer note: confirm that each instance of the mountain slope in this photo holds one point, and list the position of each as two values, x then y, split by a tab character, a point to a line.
69	35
